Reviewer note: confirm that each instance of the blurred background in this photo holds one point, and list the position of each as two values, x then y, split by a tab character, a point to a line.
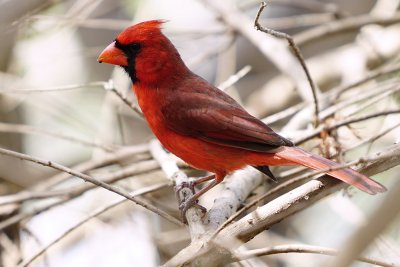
54	104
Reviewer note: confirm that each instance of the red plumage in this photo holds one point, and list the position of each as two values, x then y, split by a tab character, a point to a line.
198	122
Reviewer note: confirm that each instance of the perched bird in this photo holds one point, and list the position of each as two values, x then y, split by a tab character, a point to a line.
201	124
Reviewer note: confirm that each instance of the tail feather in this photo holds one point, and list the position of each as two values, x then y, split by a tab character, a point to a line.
347	175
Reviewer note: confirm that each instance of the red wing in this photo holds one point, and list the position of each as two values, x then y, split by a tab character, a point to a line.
213	116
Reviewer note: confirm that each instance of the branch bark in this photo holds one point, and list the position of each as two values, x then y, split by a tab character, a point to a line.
306	249
216	252
90	179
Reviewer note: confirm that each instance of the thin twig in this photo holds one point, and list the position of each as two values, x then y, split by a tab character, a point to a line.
388	87
107	159
330	94
370	76
234	78
28	195
299	21
271	213
130	170
366	233
10	252
363	118
343	25
273	48
284	113
344	123
109	86
96	213
373	101
254	202
25	129
298	54
304	249
289	182
53	89
28	214
212	52
92	180
108	24
374	138
369	140
312	5
37	241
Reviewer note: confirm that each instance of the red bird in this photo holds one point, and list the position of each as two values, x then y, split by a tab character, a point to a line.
201	124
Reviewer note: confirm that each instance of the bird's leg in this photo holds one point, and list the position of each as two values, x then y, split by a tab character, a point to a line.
193	199
204	179
192	184
184	206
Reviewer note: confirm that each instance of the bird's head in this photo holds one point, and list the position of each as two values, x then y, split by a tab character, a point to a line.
145	53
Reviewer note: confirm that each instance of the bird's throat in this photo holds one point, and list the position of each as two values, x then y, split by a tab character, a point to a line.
131	70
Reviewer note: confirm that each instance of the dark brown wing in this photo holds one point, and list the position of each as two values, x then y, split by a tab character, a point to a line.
207	113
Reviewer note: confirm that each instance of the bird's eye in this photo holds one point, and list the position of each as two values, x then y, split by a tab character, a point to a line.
134	46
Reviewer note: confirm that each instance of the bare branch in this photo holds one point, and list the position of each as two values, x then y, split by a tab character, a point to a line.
273	212
138	151
307	176
212	52
237	188
131	170
10	253
332	94
96	213
304	249
92	180
366	233
272	48
25	215
109	86
194	214
387	88
296	21
344	123
234	78
337	92
298	54
343	25
312	5
25	129
53	89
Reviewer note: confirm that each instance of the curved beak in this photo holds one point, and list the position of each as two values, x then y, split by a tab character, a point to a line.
113	55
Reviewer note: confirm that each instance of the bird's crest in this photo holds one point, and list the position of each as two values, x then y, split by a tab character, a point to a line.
141	31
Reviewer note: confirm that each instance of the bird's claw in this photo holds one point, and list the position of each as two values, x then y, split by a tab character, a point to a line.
187	201
181	197
191	202
190	185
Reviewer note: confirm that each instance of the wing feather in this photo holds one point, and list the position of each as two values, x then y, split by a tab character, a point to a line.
213	116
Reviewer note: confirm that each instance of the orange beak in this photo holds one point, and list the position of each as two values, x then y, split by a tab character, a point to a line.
113	55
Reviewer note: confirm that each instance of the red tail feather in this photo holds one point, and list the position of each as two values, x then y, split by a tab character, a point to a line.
347	175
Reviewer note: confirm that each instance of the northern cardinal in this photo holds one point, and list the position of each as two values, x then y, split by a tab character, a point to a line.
201	124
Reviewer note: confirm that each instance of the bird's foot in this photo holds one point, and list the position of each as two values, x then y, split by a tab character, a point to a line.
191	202
178	188
186	199
182	196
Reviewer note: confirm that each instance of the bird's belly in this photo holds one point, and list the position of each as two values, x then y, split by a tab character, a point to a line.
203	155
